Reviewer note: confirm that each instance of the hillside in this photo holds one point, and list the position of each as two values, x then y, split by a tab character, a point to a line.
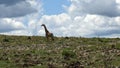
64	52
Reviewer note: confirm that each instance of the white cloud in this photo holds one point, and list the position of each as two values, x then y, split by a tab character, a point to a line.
118	1
100	7
87	18
101	26
29	21
93	18
18	33
81	20
56	23
7	25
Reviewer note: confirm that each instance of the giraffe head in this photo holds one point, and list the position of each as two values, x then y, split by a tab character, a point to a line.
43	25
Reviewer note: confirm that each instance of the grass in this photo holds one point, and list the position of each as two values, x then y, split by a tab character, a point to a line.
70	52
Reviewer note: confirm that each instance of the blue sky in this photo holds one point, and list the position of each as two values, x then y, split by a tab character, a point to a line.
86	18
54	6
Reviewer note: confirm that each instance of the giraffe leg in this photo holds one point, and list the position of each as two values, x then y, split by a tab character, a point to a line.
52	36
47	37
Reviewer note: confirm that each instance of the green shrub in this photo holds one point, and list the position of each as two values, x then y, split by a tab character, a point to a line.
67	54
5	40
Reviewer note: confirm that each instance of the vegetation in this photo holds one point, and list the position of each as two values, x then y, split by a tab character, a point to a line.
64	52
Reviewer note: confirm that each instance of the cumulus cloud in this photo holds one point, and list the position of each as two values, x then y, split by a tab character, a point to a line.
56	23
18	33
31	21
101	26
20	25
7	25
108	8
87	18
15	8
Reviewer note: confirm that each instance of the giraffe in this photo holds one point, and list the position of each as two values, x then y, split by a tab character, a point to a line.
47	33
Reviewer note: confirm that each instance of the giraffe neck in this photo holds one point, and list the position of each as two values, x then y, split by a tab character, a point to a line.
46	29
